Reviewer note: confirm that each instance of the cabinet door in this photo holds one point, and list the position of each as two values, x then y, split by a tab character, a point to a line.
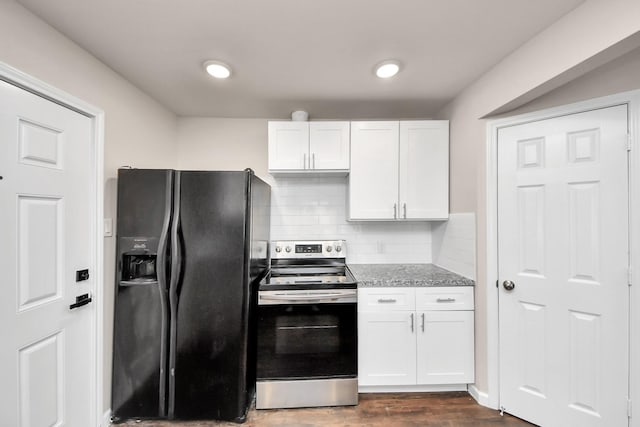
329	145
445	347
373	179
424	169
288	145
386	348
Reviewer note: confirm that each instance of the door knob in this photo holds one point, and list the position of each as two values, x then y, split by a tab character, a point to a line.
508	285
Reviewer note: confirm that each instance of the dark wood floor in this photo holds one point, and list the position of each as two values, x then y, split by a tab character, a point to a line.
374	410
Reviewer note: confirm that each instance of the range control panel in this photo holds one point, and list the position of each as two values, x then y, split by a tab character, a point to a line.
308	249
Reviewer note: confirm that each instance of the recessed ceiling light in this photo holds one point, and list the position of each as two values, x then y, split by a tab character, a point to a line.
217	69
387	69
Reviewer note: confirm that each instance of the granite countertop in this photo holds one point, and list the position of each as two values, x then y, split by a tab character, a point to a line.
406	275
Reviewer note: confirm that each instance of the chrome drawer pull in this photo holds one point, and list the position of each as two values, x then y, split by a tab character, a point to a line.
386	300
446	300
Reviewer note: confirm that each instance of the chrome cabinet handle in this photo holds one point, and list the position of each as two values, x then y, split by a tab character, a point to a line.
422	322
411	322
304	160
395	211
404	207
313	156
386	300
446	300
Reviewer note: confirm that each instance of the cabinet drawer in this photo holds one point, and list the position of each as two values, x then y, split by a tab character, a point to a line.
386	299
445	298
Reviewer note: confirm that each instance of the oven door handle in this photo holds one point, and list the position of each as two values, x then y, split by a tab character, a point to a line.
310	298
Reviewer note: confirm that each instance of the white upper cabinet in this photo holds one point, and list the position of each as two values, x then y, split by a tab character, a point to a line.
424	169
373	179
399	170
329	145
288	145
308	147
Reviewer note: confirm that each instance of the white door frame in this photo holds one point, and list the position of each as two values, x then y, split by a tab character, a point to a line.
38	87
632	99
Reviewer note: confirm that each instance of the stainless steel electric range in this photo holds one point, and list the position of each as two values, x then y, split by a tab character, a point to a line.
307	327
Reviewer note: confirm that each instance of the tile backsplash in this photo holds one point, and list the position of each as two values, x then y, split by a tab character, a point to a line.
316	208
454	244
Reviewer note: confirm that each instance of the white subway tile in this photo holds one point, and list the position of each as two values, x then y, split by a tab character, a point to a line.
315	208
454	244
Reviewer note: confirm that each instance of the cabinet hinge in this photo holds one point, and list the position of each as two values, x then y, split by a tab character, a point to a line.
497	283
629	408
630	276
629	139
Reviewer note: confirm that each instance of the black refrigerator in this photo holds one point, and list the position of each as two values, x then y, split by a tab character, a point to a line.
191	249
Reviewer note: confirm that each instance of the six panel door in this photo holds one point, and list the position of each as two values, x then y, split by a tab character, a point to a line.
563	242
47	196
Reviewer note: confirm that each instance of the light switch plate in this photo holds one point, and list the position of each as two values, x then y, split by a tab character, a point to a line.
108	227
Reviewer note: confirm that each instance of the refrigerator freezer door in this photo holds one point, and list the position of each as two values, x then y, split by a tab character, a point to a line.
141	316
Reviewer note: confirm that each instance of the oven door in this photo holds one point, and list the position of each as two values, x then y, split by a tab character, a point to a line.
306	335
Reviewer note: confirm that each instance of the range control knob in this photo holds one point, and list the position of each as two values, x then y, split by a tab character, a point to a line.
338	248
329	248
288	249
278	249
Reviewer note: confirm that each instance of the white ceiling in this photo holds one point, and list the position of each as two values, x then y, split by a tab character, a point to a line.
316	55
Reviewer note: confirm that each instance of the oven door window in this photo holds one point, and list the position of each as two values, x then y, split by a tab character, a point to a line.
307	341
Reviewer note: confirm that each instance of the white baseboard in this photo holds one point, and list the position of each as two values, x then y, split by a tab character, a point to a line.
480	396
411	388
106	418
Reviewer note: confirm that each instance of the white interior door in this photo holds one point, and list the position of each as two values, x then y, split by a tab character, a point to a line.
47	349
563	242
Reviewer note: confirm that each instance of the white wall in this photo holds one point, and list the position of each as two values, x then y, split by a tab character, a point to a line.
617	76
595	32
138	131
222	144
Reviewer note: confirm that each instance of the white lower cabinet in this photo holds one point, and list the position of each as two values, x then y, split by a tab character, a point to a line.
386	349
415	336
445	347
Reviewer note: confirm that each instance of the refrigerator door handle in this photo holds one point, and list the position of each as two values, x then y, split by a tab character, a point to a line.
176	263
163	291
